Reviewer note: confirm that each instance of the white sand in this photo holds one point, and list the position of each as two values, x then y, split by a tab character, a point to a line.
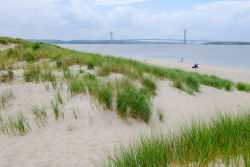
69	142
5	47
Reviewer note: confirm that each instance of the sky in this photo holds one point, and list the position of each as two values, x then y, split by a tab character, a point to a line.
224	20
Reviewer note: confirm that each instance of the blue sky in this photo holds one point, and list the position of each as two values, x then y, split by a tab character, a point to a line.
93	19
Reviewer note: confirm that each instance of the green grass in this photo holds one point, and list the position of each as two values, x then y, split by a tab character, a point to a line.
243	87
15	125
32	73
40	115
160	116
225	139
55	109
36	46
5	98
90	65
49	76
76	86
7	77
105	95
59	97
133	102
135	71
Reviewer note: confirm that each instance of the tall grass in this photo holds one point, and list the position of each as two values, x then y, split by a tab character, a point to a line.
105	95
135	71
32	73
15	125
49	76
186	81
225	139
133	102
76	86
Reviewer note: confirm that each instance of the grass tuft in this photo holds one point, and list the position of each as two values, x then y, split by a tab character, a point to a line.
55	109
40	116
76	86
131	101
6	97
150	85
90	65
32	73
17	126
225	139
36	46
160	116
243	87
7	77
105	95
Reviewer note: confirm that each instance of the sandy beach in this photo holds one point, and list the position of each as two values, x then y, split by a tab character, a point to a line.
86	140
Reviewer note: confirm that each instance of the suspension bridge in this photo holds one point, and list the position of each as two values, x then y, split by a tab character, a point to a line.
112	37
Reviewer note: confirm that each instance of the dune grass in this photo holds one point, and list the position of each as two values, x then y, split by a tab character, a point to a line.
243	87
133	102
7	77
49	76
225	139
108	64
76	86
15	125
55	109
6	97
135	71
40	115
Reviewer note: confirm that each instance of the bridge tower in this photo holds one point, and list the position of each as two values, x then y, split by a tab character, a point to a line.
110	36
185	37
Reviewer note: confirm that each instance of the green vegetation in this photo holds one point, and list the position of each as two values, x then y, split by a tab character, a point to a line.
36	46
32	73
76	86
90	65
55	109
59	97
16	125
160	116
58	63
5	98
133	102
40	116
225	139
81	71
243	87
7	77
106	93
150	85
49	76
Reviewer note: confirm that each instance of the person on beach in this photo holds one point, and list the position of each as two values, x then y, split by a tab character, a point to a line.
195	66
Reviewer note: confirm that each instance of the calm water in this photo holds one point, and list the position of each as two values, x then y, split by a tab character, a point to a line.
217	55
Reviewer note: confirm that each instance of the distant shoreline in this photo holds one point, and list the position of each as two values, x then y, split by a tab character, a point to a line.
170	42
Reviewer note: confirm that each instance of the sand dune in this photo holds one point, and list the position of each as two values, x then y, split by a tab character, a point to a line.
86	140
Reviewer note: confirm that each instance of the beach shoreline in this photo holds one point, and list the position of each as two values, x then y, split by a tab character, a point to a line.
234	74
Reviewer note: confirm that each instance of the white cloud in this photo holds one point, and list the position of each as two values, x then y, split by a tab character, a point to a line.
78	19
117	2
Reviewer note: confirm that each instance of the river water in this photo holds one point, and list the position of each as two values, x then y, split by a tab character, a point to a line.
237	56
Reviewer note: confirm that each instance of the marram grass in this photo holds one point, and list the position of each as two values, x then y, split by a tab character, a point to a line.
132	70
224	140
